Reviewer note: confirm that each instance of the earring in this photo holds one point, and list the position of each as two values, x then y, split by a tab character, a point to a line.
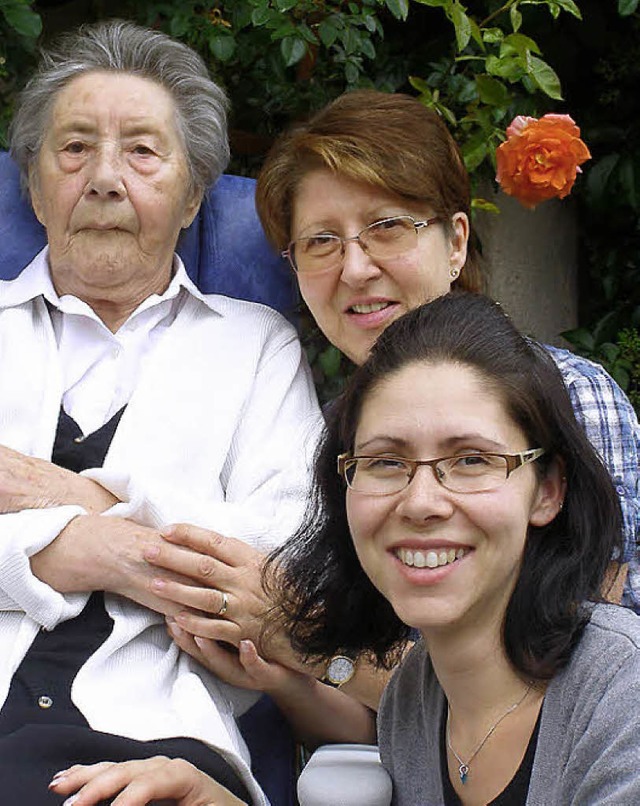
454	273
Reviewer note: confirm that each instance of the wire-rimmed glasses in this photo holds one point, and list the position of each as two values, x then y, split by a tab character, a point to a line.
466	473
382	240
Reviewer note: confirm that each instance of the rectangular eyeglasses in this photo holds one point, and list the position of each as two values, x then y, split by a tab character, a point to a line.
466	473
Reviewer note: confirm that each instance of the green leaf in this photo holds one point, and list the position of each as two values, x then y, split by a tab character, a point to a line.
627	7
516	18
598	178
609	351
435	3
261	15
399	8
222	46
351	72
462	26
327	32
23	21
491	91
370	23
492	35
474	151
292	49
179	26
572	8
367	48
545	77
485	206
419	84
476	33
621	376
580	338
518	43
285	5
554	10
509	67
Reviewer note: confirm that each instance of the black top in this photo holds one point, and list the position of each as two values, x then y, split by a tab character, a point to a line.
516	791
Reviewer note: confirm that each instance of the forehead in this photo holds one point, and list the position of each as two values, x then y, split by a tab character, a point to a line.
431	404
323	195
98	99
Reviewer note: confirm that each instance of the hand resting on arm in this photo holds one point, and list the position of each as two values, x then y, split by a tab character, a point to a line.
216	564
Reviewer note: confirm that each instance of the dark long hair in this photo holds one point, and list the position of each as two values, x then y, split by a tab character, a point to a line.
328	602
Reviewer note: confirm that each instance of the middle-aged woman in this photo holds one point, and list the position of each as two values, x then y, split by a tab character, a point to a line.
456	494
371	201
129	401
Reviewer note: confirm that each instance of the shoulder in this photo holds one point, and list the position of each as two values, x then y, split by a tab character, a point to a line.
608	652
252	320
575	369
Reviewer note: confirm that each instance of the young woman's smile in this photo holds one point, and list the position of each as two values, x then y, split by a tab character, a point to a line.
442	558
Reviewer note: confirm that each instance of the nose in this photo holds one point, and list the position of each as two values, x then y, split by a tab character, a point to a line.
357	266
105	174
425	497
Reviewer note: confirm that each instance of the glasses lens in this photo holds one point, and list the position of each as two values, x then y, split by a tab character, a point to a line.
316	253
477	473
379	475
390	237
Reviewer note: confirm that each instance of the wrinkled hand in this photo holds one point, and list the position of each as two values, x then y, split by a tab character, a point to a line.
217	564
27	482
100	552
158	780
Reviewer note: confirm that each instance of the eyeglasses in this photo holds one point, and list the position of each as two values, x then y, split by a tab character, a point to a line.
382	240
467	473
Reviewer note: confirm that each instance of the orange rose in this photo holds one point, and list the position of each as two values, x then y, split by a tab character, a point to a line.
540	159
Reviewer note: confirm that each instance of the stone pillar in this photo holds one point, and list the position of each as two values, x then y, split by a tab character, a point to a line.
531	257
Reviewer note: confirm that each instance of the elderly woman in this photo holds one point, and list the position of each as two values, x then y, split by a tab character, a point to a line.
130	401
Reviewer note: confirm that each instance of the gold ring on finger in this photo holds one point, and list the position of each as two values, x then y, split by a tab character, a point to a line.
225	604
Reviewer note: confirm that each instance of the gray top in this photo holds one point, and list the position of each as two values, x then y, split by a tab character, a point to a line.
588	750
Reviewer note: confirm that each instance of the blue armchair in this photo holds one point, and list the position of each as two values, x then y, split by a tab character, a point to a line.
225	252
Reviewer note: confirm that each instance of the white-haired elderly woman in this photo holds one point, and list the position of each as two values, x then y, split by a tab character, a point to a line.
129	401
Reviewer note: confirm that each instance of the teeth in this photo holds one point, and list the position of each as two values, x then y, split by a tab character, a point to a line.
429	559
370	308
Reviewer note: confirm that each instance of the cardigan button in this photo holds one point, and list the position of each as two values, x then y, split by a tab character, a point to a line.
45	702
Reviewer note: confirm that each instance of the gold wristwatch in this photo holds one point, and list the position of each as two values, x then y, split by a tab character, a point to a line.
339	671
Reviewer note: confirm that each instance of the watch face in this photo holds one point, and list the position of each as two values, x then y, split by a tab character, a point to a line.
340	669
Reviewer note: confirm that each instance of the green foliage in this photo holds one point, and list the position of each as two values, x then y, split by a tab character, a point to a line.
279	59
488	72
20	28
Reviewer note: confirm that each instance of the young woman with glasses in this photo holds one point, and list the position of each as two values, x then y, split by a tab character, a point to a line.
456	494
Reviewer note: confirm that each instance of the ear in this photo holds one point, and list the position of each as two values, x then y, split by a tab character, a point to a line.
549	496
191	208
34	192
458	241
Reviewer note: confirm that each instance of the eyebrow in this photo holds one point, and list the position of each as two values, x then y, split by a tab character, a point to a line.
399	444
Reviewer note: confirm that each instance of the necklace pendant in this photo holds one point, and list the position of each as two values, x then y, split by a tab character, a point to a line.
463	770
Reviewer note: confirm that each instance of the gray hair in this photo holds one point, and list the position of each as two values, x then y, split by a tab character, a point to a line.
119	46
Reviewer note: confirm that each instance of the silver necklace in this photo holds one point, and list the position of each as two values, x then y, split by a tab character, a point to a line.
465	766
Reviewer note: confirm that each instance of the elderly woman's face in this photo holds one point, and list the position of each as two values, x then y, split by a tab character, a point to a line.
111	186
353	303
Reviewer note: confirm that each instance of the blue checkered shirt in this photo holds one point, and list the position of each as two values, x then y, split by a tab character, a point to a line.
611	425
